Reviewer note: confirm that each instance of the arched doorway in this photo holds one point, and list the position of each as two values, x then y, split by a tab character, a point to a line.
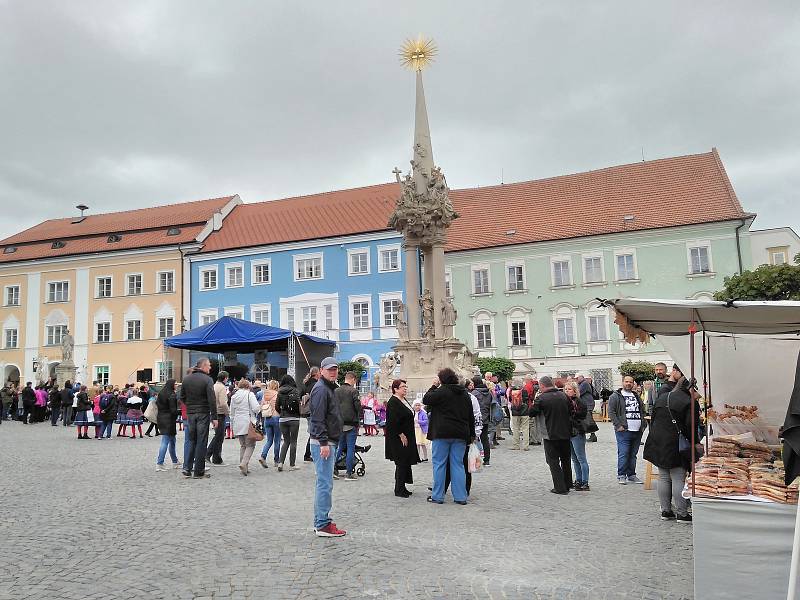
11	373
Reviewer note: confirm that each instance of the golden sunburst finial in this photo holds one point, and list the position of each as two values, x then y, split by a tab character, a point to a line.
417	54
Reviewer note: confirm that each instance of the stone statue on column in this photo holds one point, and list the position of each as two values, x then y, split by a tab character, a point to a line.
449	316
67	347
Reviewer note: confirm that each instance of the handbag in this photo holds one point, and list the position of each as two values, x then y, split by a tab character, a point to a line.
267	410
589	425
684	445
255	431
151	413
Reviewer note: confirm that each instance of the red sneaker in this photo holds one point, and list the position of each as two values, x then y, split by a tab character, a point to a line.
330	530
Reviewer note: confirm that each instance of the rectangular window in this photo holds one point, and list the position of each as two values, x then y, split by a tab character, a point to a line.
11	338
234	276
700	262
290	318
102	374
448	284
592	269
309	318
164	370
236	313
104	287
102	332
207	319
626	268
261	272
134	285
777	257
54	334
308	268
389	259
391	308
360	315
566	331
519	333
561	273
12	295
359	262
261	316
166	327
483	334
166	282
208	279
597	329
329	316
58	291
133	330
516	278
480	281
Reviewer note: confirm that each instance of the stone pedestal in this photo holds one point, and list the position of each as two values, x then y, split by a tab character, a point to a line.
65	371
422	359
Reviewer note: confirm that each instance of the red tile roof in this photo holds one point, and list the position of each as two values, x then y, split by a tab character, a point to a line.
657	193
139	228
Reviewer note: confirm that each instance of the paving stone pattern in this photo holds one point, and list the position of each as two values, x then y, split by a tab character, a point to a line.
92	519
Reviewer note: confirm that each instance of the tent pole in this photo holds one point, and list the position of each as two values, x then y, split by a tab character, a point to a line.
708	397
291	358
793	571
705	382
692	331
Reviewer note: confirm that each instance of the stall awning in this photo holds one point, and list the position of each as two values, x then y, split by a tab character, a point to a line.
231	334
672	317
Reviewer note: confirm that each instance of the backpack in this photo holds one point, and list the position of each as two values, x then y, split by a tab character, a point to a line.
497	414
305	405
516	398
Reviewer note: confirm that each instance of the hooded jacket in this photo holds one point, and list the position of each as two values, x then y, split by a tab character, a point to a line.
326	419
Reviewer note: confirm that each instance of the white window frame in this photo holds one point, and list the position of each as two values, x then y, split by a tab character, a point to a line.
65	282
351	252
391	314
390	248
328	310
6	331
201	278
484	317
518	314
474	269
234	311
128	284
254	308
54	342
260	262
159	365
448	283
103	381
352	301
128	337
207	312
230	267
480	332
158	326
565	312
306	316
107	325
597	255
97	286
699	244
604	320
158	281
559	259
310	256
6	290
623	252
291	318
517	264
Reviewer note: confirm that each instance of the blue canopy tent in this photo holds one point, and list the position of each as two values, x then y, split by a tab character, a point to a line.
229	334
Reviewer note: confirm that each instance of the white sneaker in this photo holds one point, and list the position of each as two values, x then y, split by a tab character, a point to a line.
622	480
176	465
161	468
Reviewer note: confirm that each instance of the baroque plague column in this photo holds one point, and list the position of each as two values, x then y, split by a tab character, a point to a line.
423	214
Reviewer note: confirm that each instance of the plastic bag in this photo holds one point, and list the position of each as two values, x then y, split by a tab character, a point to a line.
474	461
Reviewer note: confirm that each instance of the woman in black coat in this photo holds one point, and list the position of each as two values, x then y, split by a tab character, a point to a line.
401	446
671	416
167	403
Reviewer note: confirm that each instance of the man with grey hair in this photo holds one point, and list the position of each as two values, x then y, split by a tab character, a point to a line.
197	393
554	411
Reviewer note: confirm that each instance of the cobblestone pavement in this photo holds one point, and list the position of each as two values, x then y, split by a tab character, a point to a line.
92	519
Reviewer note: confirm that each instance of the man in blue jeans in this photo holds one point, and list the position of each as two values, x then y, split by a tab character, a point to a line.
350	407
197	393
325	430
626	411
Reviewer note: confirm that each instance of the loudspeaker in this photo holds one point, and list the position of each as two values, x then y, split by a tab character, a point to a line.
144	375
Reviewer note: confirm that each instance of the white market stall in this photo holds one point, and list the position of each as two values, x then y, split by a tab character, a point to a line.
741	353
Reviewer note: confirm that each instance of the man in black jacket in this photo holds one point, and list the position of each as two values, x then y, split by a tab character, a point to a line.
28	402
325	429
350	408
553	407
197	393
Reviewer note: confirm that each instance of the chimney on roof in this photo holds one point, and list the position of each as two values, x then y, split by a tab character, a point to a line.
81	217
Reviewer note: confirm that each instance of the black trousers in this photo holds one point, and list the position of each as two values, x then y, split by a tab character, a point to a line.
487	447
27	414
307	455
214	450
402	476
66	414
557	454
466	470
153	425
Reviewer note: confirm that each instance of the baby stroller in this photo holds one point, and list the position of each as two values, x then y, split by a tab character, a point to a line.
359	467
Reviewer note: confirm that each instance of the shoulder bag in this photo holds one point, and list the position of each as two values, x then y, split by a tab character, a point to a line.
684	445
255	431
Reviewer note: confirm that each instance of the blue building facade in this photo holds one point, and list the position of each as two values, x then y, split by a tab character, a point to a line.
346	288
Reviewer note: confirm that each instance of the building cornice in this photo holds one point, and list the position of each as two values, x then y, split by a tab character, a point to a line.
189	247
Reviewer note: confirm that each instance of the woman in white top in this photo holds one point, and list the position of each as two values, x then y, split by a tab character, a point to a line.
244	411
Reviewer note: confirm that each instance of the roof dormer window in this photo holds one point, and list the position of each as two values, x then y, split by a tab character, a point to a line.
174	231
113	238
57	244
9	249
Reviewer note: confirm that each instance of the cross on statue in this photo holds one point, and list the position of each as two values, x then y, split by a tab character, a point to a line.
397	173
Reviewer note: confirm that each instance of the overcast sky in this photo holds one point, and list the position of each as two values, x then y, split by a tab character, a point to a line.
132	104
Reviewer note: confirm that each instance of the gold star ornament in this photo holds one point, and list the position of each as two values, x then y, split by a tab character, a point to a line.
417	54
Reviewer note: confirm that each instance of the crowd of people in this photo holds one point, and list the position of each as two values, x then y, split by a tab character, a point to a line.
455	424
